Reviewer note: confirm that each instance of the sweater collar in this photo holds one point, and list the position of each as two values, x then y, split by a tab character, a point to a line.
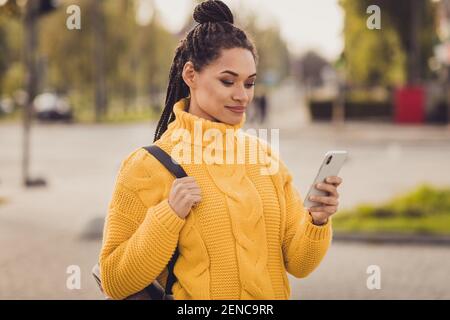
186	120
196	125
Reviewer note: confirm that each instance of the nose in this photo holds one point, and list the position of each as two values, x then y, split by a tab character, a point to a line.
240	95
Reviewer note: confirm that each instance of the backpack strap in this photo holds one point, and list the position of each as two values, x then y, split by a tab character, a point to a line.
174	168
167	161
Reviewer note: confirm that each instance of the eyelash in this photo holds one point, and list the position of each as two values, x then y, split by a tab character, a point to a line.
228	84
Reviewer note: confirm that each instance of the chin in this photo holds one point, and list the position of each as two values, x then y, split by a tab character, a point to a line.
234	120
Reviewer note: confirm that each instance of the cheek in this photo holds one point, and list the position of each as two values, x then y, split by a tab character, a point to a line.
213	93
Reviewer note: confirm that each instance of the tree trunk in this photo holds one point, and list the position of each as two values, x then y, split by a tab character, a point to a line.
98	59
414	64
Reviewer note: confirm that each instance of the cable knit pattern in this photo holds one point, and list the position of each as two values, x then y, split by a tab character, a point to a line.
248	227
237	243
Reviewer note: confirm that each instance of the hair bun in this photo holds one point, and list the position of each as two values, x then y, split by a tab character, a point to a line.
213	11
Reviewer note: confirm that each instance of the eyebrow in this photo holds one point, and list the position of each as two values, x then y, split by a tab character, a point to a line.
235	74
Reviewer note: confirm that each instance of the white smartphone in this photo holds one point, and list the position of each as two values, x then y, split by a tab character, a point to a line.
331	165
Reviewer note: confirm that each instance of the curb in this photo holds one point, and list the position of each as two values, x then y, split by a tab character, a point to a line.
391	238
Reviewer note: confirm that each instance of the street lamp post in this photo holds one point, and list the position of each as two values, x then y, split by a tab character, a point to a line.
30	26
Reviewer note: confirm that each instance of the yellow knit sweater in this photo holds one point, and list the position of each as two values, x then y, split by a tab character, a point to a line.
237	243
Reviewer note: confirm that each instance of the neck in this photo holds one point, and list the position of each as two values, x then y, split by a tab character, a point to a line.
194	109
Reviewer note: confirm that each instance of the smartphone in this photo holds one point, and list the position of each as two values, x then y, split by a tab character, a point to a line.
331	165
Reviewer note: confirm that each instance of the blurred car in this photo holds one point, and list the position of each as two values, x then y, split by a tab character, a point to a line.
52	107
6	106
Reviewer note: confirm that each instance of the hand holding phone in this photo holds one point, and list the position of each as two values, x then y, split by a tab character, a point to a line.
331	165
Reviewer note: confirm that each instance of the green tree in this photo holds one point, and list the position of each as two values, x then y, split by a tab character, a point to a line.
397	53
136	58
371	56
11	42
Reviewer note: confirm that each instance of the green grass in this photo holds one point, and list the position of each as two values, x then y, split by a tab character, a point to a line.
116	117
84	111
425	210
15	116
136	116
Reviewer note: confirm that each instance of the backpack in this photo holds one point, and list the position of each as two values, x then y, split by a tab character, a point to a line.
154	291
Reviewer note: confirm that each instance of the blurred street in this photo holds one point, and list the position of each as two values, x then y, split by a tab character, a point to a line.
85	83
42	229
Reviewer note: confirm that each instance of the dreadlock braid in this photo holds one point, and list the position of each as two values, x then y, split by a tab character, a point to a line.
202	45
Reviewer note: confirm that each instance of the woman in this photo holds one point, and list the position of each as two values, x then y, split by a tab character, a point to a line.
238	231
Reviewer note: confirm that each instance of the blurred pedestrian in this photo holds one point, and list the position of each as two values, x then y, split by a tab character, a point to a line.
262	108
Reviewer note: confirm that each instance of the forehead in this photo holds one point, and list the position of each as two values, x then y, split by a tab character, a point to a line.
238	60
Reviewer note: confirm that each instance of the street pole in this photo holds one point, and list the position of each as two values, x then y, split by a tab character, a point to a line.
98	59
338	111
414	72
30	24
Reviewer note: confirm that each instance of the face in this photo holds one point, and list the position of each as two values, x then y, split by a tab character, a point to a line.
223	89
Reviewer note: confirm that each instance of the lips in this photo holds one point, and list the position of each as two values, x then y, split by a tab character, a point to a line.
237	109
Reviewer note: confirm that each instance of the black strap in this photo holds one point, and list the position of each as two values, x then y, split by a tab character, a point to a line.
178	172
167	161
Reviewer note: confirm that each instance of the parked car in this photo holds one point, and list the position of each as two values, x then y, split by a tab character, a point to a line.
6	106
52	107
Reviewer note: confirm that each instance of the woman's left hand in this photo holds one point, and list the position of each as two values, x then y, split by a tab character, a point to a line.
329	204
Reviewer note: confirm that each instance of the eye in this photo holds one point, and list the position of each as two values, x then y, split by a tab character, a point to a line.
249	85
227	83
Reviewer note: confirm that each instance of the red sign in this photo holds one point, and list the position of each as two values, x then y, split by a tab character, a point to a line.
410	105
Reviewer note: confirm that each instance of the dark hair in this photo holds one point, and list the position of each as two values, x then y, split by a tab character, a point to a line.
202	45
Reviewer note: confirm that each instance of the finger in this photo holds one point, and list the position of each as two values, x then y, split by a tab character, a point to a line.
184	180
192	189
195	200
176	182
190	198
335	180
190	185
332	201
192	195
176	188
184	186
328	187
186	193
325	209
195	192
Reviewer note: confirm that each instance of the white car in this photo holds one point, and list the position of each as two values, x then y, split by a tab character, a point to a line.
51	107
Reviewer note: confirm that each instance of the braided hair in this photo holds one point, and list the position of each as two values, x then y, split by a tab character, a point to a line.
202	45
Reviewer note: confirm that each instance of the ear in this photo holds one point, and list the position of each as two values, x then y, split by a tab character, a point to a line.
189	75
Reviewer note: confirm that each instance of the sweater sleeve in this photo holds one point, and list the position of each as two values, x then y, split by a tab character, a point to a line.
304	244
140	233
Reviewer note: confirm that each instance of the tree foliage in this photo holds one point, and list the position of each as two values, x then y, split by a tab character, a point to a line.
386	56
136	58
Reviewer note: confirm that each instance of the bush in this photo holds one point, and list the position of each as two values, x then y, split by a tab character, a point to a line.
424	210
